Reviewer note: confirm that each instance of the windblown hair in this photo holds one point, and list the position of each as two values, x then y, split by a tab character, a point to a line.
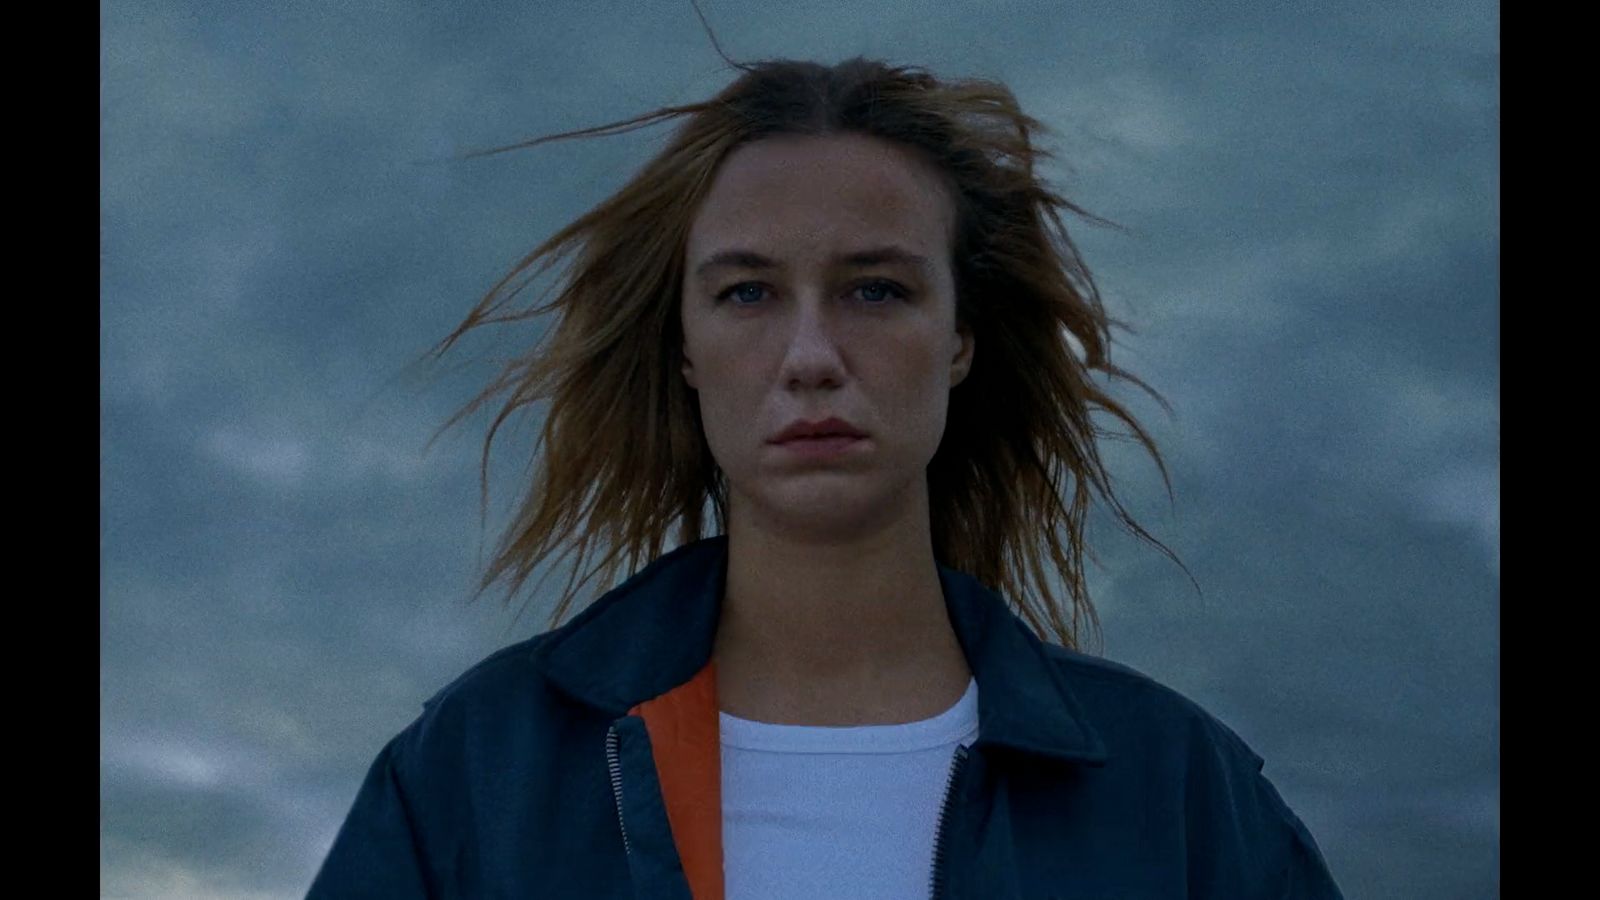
624	453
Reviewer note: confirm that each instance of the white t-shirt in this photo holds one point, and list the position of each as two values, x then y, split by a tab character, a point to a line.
812	811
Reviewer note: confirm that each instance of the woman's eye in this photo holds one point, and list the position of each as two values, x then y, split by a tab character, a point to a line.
876	293
890	287
738	288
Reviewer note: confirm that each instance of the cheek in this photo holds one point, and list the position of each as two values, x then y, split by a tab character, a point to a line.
728	400
923	392
918	372
716	371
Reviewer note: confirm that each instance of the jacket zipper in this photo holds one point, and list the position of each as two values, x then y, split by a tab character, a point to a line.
615	767
937	887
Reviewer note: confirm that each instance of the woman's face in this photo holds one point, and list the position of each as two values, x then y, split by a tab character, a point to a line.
806	334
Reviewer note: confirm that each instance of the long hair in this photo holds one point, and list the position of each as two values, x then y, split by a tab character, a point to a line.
624	455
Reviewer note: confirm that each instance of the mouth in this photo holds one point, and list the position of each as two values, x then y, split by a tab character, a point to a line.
815	438
826	429
830	436
821	446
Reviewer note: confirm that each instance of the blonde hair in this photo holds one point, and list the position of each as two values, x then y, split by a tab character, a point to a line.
624	455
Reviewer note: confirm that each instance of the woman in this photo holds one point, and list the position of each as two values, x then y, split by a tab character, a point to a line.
832	309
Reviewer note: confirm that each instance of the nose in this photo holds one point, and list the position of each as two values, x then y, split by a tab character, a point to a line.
812	357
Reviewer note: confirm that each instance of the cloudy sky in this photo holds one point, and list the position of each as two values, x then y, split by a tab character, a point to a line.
1311	192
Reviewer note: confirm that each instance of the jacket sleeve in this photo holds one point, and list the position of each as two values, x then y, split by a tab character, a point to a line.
377	852
1245	841
1305	872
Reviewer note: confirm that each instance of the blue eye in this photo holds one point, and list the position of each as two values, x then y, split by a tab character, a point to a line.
888	286
892	291
736	288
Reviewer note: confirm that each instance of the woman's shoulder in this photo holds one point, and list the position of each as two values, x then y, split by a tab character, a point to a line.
509	670
1122	700
475	708
1167	743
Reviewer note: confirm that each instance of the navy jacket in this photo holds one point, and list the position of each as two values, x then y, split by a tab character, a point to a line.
585	763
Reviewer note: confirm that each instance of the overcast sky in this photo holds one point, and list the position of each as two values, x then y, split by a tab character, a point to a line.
1312	264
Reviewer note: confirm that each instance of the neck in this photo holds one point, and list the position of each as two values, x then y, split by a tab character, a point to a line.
836	631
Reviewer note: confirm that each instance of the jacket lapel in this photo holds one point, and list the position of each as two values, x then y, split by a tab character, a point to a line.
686	740
1024	703
644	637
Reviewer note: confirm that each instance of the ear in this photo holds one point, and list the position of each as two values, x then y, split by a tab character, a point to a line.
688	369
962	363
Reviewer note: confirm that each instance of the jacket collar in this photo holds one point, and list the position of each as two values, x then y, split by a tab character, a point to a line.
655	632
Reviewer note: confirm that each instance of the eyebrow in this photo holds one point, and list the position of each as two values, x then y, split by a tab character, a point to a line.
739	258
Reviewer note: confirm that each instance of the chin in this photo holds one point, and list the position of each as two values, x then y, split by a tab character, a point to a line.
814	507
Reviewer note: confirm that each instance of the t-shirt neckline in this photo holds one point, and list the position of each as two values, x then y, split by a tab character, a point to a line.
958	723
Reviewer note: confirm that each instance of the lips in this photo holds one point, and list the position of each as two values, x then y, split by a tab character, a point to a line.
819	449
829	427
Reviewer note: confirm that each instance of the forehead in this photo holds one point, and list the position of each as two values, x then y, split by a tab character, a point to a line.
835	192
